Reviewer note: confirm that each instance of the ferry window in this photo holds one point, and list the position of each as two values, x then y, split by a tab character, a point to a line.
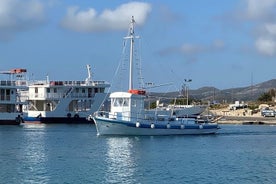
36	90
96	90
48	90
8	93
89	92
55	90
2	94
83	90
77	90
101	90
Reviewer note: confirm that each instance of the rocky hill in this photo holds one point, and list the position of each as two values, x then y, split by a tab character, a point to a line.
212	94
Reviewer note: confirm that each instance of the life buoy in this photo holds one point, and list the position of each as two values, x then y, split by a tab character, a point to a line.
137	91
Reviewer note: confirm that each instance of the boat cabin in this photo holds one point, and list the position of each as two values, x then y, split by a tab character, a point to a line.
126	106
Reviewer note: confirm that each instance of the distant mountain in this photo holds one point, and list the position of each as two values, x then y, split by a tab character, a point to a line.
249	93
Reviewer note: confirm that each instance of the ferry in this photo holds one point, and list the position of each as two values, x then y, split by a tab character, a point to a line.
65	101
11	103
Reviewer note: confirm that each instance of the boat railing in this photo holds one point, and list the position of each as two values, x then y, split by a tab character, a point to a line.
133	117
67	83
60	95
76	83
104	114
154	119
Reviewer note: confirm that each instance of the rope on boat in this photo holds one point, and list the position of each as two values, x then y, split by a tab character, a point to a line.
115	74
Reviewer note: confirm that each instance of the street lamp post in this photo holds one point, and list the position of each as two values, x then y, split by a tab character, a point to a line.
187	88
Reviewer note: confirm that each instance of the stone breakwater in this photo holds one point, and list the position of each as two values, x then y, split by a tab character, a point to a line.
225	116
247	120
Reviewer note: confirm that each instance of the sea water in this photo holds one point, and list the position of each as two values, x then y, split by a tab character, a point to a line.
75	154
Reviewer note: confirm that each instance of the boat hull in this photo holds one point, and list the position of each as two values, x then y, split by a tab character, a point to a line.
106	126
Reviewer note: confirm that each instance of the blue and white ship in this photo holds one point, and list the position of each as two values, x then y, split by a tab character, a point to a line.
127	114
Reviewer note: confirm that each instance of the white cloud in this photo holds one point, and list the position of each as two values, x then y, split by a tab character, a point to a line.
17	15
266	46
198	49
258	9
270	28
193	51
119	18
261	16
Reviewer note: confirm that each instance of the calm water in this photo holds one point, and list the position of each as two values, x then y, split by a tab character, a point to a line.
74	154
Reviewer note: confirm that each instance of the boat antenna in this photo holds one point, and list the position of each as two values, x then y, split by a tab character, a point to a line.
89	78
47	79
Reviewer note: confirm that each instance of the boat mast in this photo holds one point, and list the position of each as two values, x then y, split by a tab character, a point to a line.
131	37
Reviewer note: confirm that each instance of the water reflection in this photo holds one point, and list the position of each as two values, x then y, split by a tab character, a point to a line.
33	155
121	166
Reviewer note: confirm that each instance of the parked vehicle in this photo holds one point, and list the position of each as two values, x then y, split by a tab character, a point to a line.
268	113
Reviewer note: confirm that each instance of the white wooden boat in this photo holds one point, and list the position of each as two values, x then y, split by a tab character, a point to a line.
127	114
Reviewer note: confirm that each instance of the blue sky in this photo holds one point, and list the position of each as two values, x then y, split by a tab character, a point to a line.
223	44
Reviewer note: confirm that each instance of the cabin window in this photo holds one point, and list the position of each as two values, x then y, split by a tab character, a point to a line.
83	90
125	102
121	102
101	90
77	90
36	90
55	90
48	90
96	90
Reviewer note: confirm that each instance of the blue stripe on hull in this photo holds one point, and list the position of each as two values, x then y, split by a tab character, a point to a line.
114	127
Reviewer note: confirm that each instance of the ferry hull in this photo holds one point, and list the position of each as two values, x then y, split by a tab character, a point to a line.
113	127
57	120
14	119
9	122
